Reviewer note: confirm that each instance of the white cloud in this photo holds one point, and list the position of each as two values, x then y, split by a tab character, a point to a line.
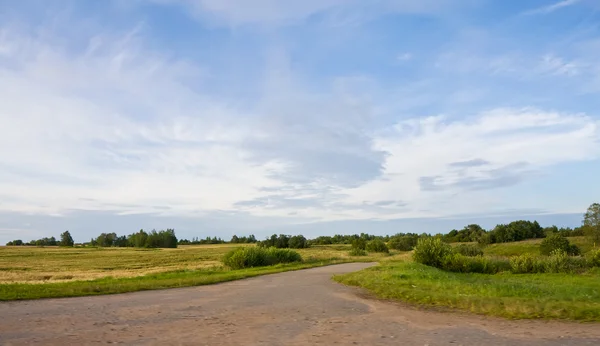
404	56
511	144
116	126
553	7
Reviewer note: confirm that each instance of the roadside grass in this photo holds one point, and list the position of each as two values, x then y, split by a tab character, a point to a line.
514	296
51	272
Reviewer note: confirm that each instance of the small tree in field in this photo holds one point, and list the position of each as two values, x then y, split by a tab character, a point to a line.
591	222
66	239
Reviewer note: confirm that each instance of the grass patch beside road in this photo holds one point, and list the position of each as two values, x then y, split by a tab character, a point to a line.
517	296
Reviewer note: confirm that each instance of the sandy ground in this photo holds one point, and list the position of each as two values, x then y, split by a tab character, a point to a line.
294	308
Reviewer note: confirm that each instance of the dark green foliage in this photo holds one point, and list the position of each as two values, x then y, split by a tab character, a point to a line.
468	250
297	242
431	251
17	242
469	233
459	263
243	240
556	241
559	261
526	264
377	245
138	239
141	239
197	241
403	242
359	244
66	239
105	240
283	256
514	231
345	239
257	257
161	239
591	222
357	252
284	241
43	242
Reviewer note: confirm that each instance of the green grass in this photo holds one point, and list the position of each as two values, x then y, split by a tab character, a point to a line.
531	246
515	296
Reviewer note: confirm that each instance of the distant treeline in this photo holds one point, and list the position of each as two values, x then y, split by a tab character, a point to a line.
502	233
65	240
214	240
141	239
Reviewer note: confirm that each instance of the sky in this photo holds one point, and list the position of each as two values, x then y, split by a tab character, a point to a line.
222	117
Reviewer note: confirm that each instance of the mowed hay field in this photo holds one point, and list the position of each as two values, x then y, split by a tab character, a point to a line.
44	272
26	264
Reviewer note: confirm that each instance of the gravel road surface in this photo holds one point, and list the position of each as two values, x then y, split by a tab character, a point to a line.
293	308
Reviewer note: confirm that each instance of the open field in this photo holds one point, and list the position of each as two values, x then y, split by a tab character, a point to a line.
531	246
31	272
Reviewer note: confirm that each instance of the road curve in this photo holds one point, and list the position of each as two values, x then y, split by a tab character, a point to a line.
293	308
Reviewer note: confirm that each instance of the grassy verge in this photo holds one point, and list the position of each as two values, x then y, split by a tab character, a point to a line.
515	296
110	285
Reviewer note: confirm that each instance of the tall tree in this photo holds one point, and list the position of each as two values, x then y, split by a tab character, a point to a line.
591	222
66	239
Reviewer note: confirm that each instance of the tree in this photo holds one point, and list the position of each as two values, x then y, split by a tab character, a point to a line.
234	239
66	239
297	242
591	222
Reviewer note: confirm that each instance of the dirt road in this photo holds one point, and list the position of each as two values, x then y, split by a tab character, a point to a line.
293	308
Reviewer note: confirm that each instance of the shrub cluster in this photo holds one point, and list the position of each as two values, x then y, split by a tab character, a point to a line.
459	263
403	242
377	245
559	261
357	252
359	244
248	257
556	242
468	250
431	251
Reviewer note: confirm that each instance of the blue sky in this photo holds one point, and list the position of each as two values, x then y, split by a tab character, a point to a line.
218	117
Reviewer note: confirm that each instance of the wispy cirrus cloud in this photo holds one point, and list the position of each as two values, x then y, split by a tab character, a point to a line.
553	7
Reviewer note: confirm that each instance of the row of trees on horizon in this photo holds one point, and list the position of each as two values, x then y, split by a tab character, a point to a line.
502	233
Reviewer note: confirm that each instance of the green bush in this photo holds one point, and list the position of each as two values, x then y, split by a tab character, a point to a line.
257	257
283	255
527	264
431	251
297	242
594	258
404	243
357	252
558	242
377	245
558	262
359	243
459	263
468	250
